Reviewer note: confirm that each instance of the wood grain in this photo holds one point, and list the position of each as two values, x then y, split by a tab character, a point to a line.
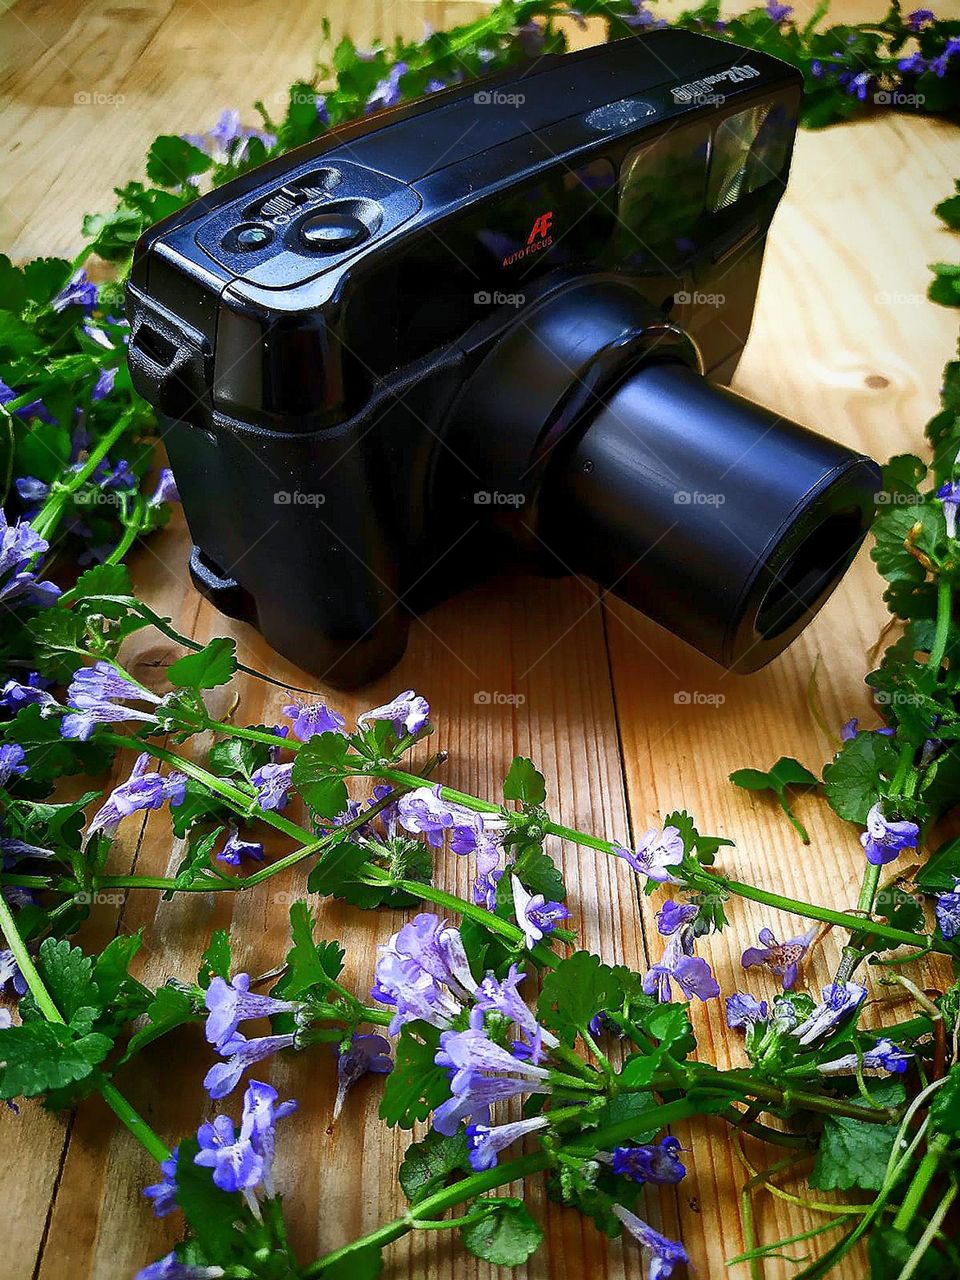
843	340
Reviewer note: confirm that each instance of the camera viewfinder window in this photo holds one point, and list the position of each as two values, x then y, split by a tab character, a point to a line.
750	149
662	185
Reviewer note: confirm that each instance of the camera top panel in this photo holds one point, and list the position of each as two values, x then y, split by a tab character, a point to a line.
315	211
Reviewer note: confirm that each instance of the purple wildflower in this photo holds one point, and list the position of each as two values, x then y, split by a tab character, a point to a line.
272	782
839	1000
656	1162
408	712
309	720
387	92
949	495
144	789
691	974
236	848
535	916
940	65
20	545
15	695
35	409
643	17
674	915
781	958
530	35
230	1003
166	490
415	966
914	64
10	974
425	812
816	69
240	1053
744	1010
12	757
884	1056
500	996
163	1194
850	730
947	911
777	12
664	1253
481	1073
104	384
96	696
856	85
485	1143
656	851
227	140
920	18
114	479
79	291
884	838
261	1111
236	1165
366	1053
171	1268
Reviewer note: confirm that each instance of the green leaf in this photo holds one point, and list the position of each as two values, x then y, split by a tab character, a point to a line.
111	967
317	774
39	1056
336	867
428	1165
855	777
669	1025
574	991
945	1108
538	873
311	966
236	757
171	161
854	1153
48	755
170	1008
945	285
939	873
68	976
214	665
524	782
213	1215
506	1237
787	772
103	580
416	1085
216	959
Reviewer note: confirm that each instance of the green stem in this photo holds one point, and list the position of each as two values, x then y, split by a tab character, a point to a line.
921	1181
942	634
114	1099
48	517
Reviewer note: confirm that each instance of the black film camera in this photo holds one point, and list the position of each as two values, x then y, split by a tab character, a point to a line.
485	328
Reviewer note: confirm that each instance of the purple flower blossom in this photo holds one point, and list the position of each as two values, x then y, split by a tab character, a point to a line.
481	1073
940	65
856	85
530	37
12	757
744	1010
144	789
15	695
777	12
949	495
309	720
947	911
664	1253
674	915
839	1000
656	851
914	64
230	1003
104	384
884	839
20	545
535	916
79	291
485	1143
920	18
114	479
691	974
420	960
96	696
884	1056
166	490
408	712
387	92
366	1053
272	782
163	1194
261	1111
227	140
657	1162
10	975
236	848
235	1164
781	958
35	409
240	1053
425	812
850	730
816	69
170	1268
500	996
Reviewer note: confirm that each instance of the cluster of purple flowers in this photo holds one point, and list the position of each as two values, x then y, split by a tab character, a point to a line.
12	762
679	964
425	812
915	64
423	973
20	547
144	789
229	1004
227	141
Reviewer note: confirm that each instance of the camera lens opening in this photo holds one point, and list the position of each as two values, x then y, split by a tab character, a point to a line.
810	570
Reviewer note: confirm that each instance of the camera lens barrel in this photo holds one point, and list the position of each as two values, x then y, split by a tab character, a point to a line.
719	519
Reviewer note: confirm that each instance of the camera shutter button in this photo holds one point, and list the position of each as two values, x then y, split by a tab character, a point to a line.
332	231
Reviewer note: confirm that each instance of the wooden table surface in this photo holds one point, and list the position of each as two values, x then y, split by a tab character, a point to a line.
843	340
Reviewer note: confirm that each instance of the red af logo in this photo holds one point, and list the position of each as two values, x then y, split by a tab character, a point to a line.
541	228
